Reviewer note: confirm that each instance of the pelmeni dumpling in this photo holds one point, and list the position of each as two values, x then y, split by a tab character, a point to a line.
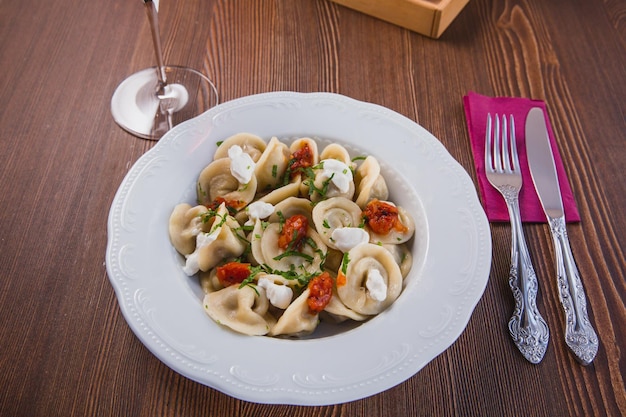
184	225
338	311
369	182
304	154
217	181
279	194
291	206
372	280
244	310
308	259
297	320
271	166
249	143
336	151
334	213
225	240
209	281
333	177
256	256
298	146
403	257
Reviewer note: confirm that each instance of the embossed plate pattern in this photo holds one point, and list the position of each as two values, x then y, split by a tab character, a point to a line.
452	256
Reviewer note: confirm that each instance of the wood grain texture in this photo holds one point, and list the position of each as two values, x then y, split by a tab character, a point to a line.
66	348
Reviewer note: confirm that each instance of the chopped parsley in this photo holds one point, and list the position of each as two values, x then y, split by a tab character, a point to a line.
344	263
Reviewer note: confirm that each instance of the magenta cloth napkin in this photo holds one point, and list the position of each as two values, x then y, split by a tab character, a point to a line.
476	108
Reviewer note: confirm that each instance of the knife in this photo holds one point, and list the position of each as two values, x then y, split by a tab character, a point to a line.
579	333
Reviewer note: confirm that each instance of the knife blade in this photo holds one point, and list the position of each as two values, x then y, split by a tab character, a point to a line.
580	336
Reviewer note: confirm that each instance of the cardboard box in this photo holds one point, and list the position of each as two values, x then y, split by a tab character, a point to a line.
428	17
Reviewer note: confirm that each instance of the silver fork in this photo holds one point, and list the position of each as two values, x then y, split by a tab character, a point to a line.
527	328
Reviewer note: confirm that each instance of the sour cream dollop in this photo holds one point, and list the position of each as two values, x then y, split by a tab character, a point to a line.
241	164
260	210
346	238
340	173
202	239
375	284
279	295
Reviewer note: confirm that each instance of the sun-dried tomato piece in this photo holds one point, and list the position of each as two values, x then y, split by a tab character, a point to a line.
320	292
233	273
300	159
293	232
382	217
231	205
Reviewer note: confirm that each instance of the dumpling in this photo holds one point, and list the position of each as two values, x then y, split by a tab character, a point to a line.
256	251
226	240
184	225
297	320
209	281
370	184
290	206
309	258
249	143
304	155
339	312
372	280
336	151
271	166
332	178
217	183
304	151
403	257
334	213
282	193
244	310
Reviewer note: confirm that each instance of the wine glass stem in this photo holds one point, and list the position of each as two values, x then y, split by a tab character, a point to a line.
153	18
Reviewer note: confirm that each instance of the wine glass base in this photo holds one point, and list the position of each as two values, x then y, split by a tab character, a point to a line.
138	107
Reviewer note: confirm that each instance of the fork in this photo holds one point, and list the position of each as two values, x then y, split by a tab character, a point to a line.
527	327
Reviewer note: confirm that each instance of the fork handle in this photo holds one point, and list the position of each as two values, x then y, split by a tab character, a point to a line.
527	327
580	336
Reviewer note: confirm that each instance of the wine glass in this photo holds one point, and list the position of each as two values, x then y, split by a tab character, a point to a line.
150	102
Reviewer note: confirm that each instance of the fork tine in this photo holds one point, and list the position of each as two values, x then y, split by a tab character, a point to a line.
514	156
497	146
506	160
488	145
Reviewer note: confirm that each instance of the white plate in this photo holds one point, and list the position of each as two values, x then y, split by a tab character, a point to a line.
452	257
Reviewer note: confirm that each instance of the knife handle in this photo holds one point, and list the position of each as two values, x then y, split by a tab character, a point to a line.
579	333
527	327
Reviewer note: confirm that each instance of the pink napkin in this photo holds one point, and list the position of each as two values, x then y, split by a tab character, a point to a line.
476	108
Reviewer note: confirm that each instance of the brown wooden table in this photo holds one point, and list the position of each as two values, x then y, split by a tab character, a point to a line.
65	348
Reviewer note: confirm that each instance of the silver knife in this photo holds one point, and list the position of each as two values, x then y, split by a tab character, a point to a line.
579	333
